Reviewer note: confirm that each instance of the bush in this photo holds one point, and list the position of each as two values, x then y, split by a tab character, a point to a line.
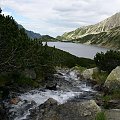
106	100
22	81
115	94
100	77
107	61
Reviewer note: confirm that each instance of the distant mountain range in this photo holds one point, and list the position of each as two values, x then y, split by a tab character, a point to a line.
33	35
30	34
105	33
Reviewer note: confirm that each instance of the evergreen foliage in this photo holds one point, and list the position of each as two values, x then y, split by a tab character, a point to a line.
19	52
0	10
47	38
107	61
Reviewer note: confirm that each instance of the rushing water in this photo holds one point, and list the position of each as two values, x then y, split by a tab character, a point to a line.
70	88
78	49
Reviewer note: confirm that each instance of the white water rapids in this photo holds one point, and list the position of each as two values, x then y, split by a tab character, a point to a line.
34	98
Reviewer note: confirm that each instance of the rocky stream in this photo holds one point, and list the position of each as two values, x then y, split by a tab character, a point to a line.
70	88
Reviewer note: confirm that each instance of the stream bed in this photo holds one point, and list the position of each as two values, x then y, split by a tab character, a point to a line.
69	87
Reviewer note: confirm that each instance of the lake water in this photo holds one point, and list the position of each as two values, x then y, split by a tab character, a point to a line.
78	49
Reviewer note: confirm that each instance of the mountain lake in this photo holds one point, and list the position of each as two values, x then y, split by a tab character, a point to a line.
77	49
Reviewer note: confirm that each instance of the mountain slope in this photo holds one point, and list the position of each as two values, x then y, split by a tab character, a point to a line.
105	33
30	34
47	38
105	25
33	35
108	39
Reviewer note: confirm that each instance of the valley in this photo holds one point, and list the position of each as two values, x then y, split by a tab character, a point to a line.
75	76
103	34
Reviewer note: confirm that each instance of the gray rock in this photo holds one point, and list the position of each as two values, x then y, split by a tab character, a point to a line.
87	74
72	111
50	102
113	114
98	87
113	80
43	109
14	100
52	86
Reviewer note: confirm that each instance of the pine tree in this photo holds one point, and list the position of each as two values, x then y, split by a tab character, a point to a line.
0	10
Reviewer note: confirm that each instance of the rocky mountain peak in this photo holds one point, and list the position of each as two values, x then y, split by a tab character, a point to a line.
111	22
103	26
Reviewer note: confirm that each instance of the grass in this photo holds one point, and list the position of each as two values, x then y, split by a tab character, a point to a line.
106	100
100	116
114	95
81	69
100	77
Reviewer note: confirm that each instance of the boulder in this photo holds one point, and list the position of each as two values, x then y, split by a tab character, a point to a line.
50	102
113	114
14	101
87	74
30	73
99	87
86	110
113	80
39	112
51	86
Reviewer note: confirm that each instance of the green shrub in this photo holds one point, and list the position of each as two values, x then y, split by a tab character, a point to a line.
100	77
3	80
101	116
19	79
115	94
26	82
107	61
106	100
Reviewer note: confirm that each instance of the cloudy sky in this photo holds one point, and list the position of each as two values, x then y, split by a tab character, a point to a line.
54	17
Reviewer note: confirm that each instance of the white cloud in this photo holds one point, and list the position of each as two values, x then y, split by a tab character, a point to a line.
54	17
